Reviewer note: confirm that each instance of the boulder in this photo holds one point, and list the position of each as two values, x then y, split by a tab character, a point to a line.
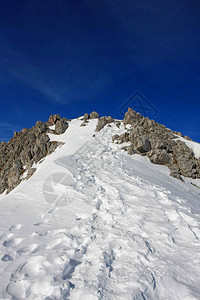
86	117
124	138
142	144
94	115
160	158
103	121
30	172
115	137
53	119
61	126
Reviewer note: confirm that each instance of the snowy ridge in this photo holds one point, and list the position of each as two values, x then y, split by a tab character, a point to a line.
122	229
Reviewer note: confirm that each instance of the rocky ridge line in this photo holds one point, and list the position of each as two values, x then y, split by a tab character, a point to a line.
146	137
160	144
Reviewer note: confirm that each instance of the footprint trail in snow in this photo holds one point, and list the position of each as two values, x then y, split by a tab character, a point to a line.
131	231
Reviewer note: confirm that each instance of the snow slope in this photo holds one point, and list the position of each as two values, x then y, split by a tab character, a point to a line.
95	223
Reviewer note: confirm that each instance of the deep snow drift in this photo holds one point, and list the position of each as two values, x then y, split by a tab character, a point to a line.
96	223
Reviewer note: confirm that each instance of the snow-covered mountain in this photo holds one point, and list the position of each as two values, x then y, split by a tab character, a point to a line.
94	222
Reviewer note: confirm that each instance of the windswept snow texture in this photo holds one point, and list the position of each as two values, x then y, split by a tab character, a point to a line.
95	223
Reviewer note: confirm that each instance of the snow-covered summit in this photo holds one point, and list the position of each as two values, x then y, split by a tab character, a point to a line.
94	222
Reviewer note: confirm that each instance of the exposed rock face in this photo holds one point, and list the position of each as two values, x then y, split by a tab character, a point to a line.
53	119
159	143
61	124
103	121
86	117
26	148
142	144
30	172
146	137
94	115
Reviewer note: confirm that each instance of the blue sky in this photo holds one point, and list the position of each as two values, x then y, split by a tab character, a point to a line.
72	57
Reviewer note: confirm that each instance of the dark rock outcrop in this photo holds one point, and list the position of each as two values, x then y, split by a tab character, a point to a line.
61	124
94	115
53	119
86	117
103	121
146	137
160	144
26	148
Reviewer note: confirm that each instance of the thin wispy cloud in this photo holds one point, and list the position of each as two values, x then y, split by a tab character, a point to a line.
33	77
18	65
77	78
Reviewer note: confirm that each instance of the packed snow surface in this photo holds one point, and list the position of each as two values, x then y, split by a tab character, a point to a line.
95	223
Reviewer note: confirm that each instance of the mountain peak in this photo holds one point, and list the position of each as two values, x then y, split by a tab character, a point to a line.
92	221
144	136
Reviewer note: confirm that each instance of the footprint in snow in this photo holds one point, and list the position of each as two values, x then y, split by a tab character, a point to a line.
9	243
15	227
70	268
7	257
41	223
28	249
9	235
